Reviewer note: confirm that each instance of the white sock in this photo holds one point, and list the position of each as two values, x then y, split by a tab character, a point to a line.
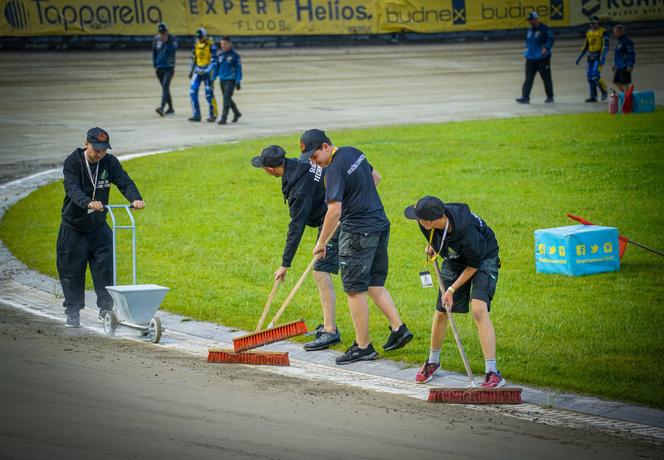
434	356
490	366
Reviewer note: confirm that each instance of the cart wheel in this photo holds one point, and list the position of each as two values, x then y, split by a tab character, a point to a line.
110	323
155	330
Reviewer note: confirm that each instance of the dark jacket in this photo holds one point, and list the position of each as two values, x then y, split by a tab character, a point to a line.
304	191
537	38
229	66
470	242
79	188
625	56
163	53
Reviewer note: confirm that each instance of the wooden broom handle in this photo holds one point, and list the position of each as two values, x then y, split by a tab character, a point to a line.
267	304
457	338
300	281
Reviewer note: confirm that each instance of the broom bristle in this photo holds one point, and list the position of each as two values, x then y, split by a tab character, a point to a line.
475	395
276	334
265	358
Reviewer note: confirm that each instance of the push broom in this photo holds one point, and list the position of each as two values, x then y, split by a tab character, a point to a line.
265	358
471	394
276	334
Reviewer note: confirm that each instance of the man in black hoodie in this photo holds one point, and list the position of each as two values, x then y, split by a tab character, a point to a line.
303	190
469	271
84	237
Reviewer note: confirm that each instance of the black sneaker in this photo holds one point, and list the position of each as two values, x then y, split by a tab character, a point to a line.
236	117
170	111
102	314
549	100
323	340
398	339
523	100
355	354
160	111
194	118
73	319
223	121
211	119
591	99
604	95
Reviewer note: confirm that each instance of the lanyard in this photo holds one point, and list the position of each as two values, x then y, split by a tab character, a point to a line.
93	180
442	241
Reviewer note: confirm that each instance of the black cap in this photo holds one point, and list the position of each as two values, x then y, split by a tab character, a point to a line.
311	141
427	208
162	27
270	157
532	15
99	139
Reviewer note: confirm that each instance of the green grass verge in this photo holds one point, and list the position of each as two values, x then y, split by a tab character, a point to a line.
214	229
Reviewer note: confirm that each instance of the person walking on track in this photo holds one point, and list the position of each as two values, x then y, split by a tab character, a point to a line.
353	200
303	190
230	76
595	48
539	42
84	237
203	70
164	46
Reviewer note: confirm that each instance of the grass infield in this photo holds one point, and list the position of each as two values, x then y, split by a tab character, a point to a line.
214	229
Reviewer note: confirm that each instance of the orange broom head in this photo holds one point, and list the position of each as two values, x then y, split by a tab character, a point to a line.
264	358
475	395
276	334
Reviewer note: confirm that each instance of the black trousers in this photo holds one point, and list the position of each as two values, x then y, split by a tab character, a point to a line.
533	67
75	250
227	89
165	76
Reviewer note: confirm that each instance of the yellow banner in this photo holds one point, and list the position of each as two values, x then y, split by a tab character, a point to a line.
89	17
304	17
431	16
283	17
617	10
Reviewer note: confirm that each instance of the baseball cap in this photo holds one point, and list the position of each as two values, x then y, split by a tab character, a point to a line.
161	28
311	141
427	208
99	138
532	15
270	157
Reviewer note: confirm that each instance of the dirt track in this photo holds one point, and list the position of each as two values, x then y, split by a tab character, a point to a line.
71	394
50	99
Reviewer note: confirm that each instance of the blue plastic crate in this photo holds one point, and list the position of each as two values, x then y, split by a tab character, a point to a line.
577	250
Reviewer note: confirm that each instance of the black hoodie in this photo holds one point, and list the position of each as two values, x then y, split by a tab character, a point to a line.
470	242
79	188
304	191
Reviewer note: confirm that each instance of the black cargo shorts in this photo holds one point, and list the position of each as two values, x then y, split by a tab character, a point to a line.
363	259
482	286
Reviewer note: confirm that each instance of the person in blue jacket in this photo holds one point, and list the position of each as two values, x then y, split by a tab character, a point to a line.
164	46
203	70
539	42
230	76
624	59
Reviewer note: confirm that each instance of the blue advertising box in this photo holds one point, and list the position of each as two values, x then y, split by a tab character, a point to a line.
643	101
577	250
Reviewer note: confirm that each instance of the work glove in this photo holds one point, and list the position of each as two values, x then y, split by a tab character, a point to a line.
238	86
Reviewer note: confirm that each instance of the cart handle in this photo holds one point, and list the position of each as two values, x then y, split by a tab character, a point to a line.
132	227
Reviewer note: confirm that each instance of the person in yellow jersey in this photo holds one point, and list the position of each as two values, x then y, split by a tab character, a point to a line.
595	48
203	70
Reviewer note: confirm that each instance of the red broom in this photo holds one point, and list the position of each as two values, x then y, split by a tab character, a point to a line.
472	395
266	358
286	331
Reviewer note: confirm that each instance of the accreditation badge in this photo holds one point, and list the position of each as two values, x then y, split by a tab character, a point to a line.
426	280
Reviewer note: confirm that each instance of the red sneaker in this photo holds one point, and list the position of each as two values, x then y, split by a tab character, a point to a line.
493	380
426	372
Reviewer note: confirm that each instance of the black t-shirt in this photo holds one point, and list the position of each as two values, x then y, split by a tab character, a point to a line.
470	242
349	180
